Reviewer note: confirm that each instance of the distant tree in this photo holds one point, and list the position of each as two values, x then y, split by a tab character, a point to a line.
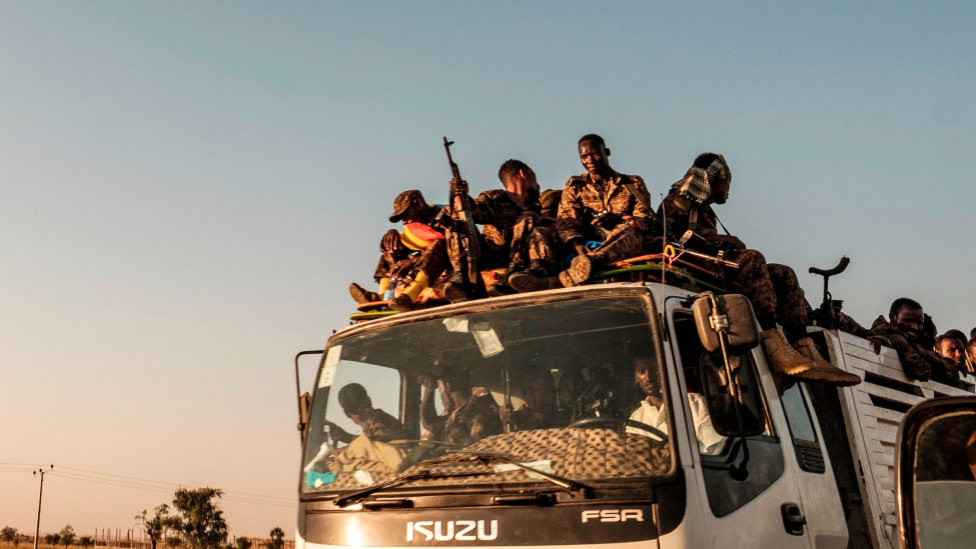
67	535
52	539
276	539
200	521
242	543
8	534
173	542
155	526
86	541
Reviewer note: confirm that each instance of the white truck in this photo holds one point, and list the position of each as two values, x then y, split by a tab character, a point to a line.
758	461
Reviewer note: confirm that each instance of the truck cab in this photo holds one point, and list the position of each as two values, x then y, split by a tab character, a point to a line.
626	428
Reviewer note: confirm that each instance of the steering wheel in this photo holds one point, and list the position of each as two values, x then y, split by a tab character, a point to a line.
590	422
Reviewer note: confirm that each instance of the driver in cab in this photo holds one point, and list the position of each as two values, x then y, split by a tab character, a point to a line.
651	412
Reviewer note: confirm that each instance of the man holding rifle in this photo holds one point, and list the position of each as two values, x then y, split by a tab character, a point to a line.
773	289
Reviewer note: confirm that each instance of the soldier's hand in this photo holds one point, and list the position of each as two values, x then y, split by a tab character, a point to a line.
428	382
581	249
505	414
876	343
460	186
392	242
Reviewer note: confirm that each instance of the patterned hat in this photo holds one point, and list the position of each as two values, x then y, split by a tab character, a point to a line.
403	201
696	184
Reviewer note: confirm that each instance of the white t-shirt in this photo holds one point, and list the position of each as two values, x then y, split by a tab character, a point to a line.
709	442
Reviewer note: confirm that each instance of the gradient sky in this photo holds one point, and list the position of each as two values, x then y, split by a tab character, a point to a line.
187	189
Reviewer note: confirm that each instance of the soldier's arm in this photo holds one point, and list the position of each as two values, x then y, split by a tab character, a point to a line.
569	215
484	209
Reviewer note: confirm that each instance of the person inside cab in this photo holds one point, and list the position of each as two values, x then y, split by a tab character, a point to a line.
603	215
540	410
369	451
773	289
652	412
473	413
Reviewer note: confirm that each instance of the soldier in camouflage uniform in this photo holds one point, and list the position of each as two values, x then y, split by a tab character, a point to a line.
516	236
773	289
405	257
601	205
377	424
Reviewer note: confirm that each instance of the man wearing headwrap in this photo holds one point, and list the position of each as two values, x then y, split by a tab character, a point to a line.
602	206
773	289
417	254
517	238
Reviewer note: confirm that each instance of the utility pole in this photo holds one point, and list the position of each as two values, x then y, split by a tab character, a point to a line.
40	494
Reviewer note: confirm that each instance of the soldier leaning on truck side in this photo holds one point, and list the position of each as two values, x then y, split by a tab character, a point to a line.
419	252
773	289
516	236
600	205
901	332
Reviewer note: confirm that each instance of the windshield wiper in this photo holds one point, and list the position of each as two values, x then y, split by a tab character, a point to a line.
485	457
360	495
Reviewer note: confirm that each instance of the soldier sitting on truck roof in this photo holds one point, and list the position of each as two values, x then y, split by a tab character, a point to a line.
901	332
517	237
604	209
419	253
773	289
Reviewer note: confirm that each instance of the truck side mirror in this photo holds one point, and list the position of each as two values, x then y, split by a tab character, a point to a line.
722	400
936	481
730	313
304	412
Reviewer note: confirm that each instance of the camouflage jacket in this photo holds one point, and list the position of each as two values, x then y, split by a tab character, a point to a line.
583	199
917	362
381	426
677	212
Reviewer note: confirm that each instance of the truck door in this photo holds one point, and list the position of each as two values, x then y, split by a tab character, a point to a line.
762	509
814	474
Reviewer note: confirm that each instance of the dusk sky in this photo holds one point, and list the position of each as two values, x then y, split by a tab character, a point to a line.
186	191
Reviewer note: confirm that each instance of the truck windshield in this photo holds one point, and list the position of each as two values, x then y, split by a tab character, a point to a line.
552	386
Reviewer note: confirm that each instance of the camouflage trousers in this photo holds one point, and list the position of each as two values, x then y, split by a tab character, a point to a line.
530	244
623	242
773	288
399	262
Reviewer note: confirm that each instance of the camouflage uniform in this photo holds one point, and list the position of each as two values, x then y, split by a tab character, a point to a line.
397	261
515	236
381	426
584	199
773	288
918	363
474	420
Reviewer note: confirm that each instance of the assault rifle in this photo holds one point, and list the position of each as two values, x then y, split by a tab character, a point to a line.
464	237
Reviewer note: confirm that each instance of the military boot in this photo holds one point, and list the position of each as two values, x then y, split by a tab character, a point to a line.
362	295
534	279
402	303
579	271
781	356
823	371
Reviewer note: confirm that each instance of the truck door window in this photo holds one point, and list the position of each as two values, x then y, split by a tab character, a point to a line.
766	463
809	454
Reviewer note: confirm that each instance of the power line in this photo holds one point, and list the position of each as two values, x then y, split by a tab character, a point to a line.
272	500
170	483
